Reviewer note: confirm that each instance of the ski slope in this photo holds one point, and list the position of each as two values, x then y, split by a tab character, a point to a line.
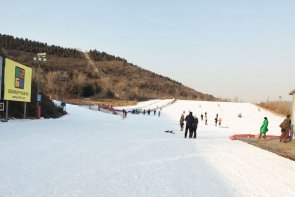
89	153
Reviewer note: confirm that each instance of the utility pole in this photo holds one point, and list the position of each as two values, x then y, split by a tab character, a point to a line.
40	57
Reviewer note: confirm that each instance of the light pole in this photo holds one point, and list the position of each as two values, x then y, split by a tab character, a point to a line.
40	57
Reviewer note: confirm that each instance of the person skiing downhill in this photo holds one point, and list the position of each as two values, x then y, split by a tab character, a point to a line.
263	128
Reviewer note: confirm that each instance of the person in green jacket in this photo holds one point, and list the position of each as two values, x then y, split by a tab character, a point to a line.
263	128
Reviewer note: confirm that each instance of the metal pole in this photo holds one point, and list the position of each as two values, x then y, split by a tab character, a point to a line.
38	110
41	57
293	114
25	110
6	113
1	66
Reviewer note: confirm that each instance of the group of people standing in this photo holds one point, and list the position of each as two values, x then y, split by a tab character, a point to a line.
206	118
286	130
192	122
191	125
217	120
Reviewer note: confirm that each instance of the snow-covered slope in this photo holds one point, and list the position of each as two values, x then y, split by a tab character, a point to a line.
89	153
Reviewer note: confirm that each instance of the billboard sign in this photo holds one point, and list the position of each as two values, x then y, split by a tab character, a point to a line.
17	81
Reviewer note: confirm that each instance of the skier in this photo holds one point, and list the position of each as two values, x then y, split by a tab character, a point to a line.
193	133
263	128
206	120
159	113
124	114
285	129
181	121
155	112
189	121
216	119
202	117
219	121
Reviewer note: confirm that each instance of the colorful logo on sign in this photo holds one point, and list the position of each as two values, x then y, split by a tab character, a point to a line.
19	81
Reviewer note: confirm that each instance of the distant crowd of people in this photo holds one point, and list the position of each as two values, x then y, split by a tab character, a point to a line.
109	108
148	112
136	111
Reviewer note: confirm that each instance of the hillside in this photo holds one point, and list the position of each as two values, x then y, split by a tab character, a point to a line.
93	74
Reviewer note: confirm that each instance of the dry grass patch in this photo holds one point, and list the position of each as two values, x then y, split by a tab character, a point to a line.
279	107
286	150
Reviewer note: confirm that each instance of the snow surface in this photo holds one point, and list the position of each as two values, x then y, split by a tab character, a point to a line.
90	153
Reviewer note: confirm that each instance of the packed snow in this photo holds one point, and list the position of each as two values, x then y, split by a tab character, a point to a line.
91	153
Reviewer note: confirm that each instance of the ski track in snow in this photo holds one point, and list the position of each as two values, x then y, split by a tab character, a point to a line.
89	153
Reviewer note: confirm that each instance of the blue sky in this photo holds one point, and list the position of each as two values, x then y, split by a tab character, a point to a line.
228	48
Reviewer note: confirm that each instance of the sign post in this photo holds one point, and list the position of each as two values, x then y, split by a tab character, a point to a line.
41	57
292	93
25	110
63	80
1	106
1	68
6	112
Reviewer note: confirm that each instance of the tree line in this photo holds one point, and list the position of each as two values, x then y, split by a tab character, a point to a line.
103	56
11	43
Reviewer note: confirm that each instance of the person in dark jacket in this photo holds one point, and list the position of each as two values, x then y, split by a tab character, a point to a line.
189	121
285	129
193	133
